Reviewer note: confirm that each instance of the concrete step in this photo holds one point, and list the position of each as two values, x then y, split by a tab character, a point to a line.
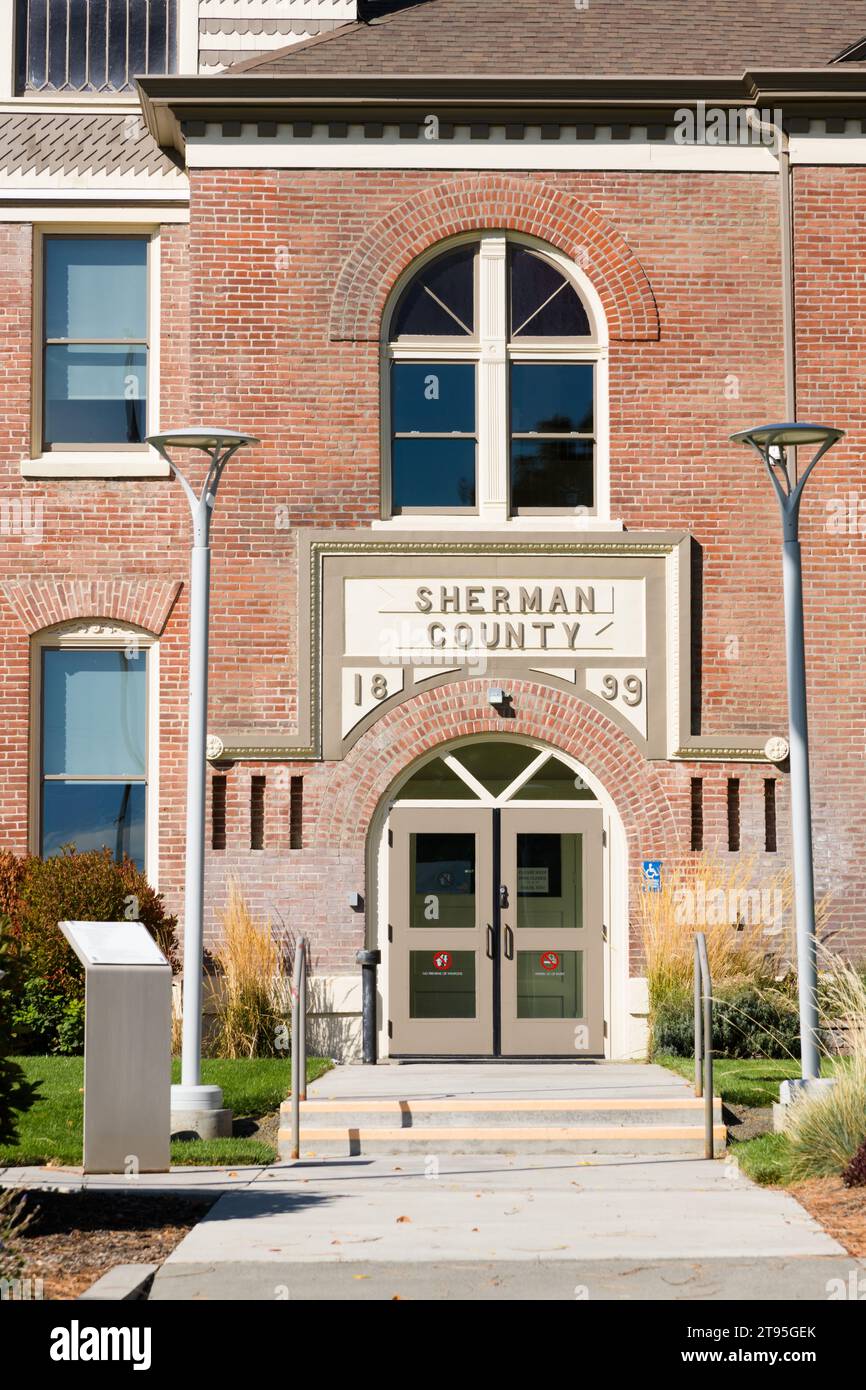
673	1125
348	1141
483	1112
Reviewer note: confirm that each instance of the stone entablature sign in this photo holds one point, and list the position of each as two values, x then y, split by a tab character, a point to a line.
599	617
399	620
605	616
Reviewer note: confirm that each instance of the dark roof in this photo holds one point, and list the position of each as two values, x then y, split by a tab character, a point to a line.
554	37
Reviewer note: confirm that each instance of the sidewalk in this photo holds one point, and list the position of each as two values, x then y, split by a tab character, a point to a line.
482	1228
475	1226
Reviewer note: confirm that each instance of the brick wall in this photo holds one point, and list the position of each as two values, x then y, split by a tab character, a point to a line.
248	314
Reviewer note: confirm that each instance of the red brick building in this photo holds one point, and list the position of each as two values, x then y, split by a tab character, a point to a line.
496	615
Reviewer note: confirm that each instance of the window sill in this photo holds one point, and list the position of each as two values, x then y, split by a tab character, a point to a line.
429	522
123	466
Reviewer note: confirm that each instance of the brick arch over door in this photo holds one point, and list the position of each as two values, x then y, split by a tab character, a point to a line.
486	202
652	800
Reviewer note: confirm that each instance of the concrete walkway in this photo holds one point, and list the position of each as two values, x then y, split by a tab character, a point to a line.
478	1227
504	1080
503	1227
488	1227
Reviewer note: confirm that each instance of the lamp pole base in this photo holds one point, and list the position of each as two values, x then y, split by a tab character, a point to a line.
198	1112
790	1092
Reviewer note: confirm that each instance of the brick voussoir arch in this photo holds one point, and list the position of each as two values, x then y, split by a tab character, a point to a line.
482	203
354	787
43	602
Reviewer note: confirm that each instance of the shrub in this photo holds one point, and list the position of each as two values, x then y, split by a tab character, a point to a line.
16	1093
827	1127
855	1174
47	1021
250	986
78	887
748	1021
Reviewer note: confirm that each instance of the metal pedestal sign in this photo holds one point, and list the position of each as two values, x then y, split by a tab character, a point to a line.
127	1047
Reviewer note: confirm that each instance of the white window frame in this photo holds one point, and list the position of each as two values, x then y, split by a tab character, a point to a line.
492	353
89	635
120	462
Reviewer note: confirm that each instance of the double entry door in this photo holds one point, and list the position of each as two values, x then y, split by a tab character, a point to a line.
495	932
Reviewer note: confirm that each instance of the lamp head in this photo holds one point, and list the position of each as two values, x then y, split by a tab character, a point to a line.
766	437
204	437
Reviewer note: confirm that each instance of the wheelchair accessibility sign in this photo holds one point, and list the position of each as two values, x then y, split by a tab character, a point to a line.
652	875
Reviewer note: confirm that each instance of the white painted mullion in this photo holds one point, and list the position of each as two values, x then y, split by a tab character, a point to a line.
524	776
466	776
492	381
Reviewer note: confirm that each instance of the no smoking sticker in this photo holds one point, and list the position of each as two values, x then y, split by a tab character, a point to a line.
442	960
549	960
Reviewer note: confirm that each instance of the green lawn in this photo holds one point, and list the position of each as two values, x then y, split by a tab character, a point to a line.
51	1130
752	1081
743	1081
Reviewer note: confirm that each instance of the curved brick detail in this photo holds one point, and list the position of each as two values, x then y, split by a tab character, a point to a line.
643	792
40	603
478	204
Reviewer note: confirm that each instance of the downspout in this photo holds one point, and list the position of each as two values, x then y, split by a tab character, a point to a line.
781	148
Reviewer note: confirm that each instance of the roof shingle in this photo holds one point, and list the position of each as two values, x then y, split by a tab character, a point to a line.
555	37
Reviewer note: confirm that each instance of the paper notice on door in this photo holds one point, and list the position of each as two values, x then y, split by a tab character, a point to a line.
532	879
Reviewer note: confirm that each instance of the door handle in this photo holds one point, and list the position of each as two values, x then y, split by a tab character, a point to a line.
509	943
491	943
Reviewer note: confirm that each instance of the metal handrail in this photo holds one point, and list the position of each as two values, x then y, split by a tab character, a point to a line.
299	1041
704	1038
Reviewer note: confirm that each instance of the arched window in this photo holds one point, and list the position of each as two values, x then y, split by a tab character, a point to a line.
492	391
95	740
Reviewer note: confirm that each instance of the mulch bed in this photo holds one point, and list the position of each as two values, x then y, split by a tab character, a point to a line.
74	1237
840	1210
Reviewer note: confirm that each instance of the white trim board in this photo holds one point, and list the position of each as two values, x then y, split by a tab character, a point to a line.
286	151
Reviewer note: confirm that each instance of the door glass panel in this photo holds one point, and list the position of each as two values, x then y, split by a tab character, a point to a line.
442	871
495	765
550	881
549	984
436	781
554	782
442	984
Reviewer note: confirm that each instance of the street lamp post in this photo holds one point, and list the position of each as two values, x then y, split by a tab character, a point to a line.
194	1106
773	444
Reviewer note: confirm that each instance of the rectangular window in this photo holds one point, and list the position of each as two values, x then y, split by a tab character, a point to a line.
434	444
95	342
552	436
93	776
93	45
